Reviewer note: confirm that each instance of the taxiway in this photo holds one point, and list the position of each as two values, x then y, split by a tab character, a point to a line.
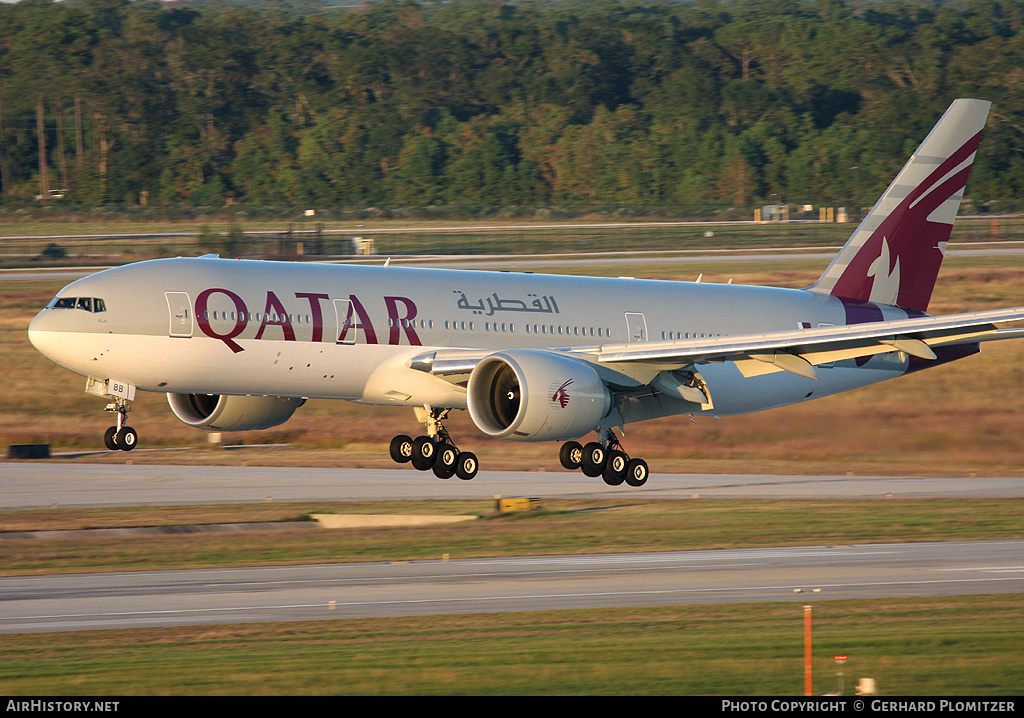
319	592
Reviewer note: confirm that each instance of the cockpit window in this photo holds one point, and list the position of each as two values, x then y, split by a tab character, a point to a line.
89	304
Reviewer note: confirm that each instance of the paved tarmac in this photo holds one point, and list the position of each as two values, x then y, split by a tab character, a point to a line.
67	484
582	259
317	592
801	575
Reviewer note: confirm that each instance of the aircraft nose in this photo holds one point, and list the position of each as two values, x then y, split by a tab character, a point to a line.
46	331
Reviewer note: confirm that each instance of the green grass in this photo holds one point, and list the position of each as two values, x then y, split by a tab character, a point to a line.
929	647
934	646
565	526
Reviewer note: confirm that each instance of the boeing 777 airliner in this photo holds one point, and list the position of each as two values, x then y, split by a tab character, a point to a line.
240	344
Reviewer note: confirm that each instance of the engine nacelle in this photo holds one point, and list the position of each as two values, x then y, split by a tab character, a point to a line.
232	413
527	395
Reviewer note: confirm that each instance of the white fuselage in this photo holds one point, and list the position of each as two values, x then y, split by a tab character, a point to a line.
240	327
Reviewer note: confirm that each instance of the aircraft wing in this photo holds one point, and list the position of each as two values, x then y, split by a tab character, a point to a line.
797	351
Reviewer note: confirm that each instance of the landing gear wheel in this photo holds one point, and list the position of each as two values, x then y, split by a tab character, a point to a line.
435	451
637	472
126	439
424	452
446	462
571	455
594	459
615	468
401	449
466	466
110	438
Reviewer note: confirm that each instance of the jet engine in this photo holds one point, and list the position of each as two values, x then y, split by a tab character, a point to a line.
527	395
232	413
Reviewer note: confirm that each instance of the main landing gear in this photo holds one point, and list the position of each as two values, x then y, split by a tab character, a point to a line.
121	437
435	451
606	459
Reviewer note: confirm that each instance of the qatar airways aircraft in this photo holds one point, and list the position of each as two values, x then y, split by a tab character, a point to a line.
240	344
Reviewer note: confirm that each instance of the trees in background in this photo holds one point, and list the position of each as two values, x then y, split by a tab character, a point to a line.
479	103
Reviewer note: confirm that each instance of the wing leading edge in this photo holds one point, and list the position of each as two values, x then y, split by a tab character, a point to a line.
797	351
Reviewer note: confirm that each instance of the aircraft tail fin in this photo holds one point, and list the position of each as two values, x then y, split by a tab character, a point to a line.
893	256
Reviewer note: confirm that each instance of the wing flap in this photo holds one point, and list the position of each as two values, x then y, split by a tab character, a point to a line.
825	344
797	351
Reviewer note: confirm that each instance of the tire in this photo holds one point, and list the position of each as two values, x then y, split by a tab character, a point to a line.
594	459
637	472
401	449
446	461
615	468
467	466
127	438
110	438
571	455
424	453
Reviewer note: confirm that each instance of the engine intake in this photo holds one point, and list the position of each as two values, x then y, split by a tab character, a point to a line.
528	395
232	413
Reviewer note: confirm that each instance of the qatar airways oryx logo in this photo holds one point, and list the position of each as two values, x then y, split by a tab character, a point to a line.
885	288
560	395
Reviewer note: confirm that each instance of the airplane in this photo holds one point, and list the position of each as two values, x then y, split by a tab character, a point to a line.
239	344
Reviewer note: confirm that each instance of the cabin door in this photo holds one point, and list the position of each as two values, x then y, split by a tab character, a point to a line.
636	327
179	309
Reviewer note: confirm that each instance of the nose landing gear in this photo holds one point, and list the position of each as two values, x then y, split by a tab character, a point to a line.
120	437
605	459
434	451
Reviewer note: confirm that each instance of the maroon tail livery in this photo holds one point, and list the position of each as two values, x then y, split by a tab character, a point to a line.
894	255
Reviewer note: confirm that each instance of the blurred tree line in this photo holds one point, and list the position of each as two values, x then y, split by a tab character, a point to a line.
483	102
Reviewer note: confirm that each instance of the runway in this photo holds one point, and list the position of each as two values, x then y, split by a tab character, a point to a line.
27	485
581	259
316	592
801	574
